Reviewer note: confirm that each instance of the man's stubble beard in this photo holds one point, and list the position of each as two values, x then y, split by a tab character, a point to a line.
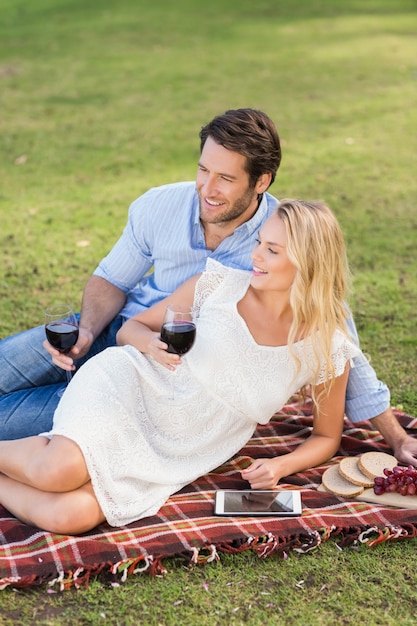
232	213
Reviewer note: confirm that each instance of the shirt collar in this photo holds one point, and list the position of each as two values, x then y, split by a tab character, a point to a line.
257	219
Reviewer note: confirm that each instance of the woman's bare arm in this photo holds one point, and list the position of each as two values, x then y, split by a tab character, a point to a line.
318	448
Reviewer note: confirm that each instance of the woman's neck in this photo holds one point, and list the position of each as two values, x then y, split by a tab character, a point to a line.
267	316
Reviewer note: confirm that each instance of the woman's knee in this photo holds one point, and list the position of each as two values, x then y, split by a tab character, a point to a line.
73	513
59	467
62	521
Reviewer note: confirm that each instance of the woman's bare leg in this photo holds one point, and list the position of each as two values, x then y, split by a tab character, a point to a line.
69	513
55	464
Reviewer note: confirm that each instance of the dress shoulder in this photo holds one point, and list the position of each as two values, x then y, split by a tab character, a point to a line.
343	351
214	275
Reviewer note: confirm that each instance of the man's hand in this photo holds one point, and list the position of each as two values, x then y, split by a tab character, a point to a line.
403	446
406	451
66	361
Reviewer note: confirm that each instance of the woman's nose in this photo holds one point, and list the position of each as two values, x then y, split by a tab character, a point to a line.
256	256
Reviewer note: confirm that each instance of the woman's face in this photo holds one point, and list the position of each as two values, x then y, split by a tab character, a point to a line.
272	269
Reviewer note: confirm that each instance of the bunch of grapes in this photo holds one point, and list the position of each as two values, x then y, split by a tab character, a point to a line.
403	480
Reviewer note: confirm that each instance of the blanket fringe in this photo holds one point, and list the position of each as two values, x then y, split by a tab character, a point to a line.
153	565
263	546
200	556
389	533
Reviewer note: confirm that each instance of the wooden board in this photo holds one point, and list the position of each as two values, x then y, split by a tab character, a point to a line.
387	499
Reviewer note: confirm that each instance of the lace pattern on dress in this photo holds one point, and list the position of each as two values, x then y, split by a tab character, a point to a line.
341	354
209	281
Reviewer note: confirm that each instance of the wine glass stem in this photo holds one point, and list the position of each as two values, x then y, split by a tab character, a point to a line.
173	386
61	391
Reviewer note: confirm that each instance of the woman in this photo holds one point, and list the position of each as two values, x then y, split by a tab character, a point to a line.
119	447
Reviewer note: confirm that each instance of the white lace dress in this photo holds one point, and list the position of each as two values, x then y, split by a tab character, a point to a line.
138	445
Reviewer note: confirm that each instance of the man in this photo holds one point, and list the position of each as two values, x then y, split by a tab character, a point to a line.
171	231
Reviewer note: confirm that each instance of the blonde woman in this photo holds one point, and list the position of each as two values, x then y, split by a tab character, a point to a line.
119	447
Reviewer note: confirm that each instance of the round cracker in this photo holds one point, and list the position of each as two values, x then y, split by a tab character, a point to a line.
349	469
335	483
372	464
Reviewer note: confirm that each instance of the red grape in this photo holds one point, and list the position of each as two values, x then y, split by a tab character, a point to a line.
400	479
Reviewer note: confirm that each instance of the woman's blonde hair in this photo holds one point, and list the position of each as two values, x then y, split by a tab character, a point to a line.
315	245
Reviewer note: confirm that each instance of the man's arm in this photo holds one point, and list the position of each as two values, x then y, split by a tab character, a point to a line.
101	302
367	398
403	446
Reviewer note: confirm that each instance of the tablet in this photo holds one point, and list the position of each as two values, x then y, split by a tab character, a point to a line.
285	502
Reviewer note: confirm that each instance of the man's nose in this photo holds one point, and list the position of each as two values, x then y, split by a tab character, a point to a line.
209	186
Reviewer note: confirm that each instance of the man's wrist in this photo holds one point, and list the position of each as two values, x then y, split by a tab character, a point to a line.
390	429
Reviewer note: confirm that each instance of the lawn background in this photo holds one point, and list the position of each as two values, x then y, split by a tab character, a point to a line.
100	101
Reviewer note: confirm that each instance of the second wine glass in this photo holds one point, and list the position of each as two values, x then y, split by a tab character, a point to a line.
61	329
178	331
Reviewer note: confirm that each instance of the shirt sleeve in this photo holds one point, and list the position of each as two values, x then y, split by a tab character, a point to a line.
131	257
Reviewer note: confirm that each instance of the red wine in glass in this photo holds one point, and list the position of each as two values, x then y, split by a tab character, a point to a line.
179	336
61	335
178	331
61	329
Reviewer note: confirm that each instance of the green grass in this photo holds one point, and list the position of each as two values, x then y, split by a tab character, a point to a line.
320	588
99	101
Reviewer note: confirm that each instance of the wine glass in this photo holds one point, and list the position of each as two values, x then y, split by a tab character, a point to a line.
178	331
61	328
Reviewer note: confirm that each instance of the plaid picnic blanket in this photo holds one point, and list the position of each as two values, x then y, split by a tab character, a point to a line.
187	529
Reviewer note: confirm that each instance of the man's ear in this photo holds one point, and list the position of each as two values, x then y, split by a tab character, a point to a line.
263	182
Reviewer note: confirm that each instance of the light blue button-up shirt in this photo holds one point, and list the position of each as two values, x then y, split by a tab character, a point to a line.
164	232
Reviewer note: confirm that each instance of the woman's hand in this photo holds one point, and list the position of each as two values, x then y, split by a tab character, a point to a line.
262	474
158	350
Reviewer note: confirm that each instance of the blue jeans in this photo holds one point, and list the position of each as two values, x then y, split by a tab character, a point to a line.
29	381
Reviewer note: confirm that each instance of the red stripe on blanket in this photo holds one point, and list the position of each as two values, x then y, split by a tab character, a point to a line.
186	526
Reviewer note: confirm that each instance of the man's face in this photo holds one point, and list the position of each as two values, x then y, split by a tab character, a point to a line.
223	186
